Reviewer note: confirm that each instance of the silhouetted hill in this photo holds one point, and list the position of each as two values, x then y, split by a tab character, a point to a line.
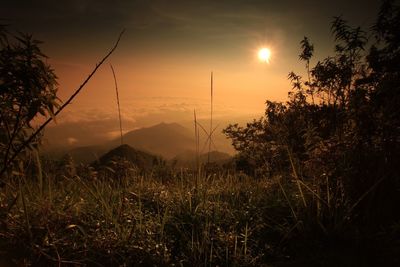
169	140
142	160
165	139
188	158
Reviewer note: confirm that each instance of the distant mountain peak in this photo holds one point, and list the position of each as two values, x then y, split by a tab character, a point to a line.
140	158
123	149
166	139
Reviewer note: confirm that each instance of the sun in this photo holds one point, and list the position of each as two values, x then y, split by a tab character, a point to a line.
264	54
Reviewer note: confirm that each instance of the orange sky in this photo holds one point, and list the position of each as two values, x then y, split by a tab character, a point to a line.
165	57
154	77
240	85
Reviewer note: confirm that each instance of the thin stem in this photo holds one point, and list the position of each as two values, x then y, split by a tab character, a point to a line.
196	137
119	109
211	120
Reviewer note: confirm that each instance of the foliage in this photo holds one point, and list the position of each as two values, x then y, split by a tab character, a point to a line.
225	220
338	134
27	90
89	219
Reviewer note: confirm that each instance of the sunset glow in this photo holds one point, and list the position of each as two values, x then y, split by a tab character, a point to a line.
203	133
166	54
264	55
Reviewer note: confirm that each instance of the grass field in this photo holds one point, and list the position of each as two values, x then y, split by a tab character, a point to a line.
109	218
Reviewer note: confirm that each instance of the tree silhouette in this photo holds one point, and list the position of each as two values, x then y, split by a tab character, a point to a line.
340	127
28	88
36	94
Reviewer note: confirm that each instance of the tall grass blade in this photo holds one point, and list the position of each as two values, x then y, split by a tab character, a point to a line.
211	119
119	108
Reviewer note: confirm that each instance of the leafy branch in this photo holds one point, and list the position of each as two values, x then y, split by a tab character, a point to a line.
51	118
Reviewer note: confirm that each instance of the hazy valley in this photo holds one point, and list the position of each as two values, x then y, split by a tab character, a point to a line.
170	141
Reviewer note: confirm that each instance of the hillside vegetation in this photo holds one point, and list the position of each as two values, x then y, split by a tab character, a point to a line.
315	181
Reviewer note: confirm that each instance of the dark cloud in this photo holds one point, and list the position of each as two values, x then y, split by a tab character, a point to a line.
175	16
181	26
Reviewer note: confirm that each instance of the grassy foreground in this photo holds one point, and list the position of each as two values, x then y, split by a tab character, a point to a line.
185	219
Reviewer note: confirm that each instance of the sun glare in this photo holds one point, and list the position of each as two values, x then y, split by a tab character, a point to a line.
264	55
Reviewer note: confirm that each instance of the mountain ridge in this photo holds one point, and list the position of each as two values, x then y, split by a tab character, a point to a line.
165	139
168	140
